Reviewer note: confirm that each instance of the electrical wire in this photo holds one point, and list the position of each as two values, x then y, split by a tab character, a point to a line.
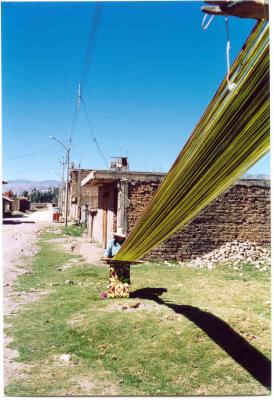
100	151
95	24
26	169
47	149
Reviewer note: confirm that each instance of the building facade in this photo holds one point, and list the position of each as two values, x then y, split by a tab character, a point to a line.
21	204
242	213
115	192
6	206
79	196
117	199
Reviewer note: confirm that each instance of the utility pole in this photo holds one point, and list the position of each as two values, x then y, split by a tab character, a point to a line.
67	181
62	184
79	192
67	149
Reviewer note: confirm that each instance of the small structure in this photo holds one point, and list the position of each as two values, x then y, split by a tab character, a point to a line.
119	164
21	204
39	206
7	206
79	197
112	195
82	198
6	202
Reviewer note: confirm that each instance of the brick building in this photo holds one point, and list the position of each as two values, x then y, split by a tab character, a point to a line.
6	206
79	196
21	204
242	213
116	199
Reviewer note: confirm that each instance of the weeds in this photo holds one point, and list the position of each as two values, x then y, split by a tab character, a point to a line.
74	230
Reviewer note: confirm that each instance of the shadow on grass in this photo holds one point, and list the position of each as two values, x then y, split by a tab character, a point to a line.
252	360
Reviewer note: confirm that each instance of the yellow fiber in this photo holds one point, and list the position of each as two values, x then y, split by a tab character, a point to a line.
231	136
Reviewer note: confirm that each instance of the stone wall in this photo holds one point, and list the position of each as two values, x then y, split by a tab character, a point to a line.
242	213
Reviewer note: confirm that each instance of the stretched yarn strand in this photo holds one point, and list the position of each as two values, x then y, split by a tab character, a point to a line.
230	137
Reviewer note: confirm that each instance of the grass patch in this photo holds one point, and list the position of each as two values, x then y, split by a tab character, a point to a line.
156	349
74	230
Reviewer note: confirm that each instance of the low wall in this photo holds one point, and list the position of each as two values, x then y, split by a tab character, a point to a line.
39	206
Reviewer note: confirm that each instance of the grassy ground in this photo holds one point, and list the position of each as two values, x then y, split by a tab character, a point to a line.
198	332
74	230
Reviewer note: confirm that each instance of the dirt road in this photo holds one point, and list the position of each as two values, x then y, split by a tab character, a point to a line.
19	237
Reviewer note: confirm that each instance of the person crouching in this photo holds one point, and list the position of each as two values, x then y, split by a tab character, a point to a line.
115	244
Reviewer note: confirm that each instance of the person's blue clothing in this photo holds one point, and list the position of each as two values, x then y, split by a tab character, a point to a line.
112	249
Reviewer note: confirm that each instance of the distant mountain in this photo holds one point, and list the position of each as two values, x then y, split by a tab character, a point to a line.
256	176
20	185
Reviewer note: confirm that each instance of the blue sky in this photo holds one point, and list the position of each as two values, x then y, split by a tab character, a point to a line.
154	71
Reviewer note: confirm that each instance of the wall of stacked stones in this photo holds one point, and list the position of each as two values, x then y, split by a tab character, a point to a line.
242	213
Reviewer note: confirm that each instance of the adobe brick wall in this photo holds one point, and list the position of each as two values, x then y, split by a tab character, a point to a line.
89	195
74	186
139	196
242	213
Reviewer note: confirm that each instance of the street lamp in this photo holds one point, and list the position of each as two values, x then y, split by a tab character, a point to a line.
67	149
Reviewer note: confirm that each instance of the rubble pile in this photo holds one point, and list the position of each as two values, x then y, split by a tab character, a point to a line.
235	253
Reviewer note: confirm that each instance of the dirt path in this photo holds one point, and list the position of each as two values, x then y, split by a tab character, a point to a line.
19	237
91	253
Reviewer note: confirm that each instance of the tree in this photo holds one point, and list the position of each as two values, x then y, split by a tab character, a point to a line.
49	196
25	193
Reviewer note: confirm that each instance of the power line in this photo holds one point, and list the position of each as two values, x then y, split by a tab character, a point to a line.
73	122
47	149
100	151
97	16
82	154
33	168
95	24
